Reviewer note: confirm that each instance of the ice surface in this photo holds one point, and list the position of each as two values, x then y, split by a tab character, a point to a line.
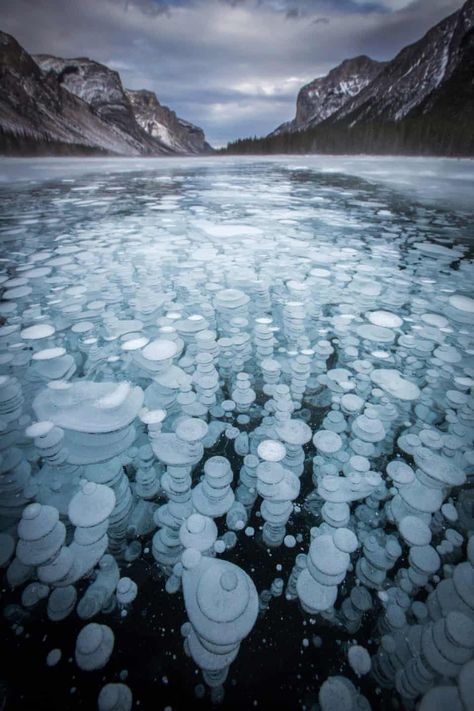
250	374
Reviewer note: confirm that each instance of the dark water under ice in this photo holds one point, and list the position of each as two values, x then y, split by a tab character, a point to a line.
278	665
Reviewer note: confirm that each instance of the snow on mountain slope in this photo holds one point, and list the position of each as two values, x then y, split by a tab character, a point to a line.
102	89
413	74
51	104
162	123
35	108
322	97
361	91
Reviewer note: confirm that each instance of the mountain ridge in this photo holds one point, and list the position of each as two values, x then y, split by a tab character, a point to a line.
162	122
407	108
324	96
51	104
417	70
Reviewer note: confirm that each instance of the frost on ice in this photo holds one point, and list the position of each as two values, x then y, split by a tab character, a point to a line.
193	385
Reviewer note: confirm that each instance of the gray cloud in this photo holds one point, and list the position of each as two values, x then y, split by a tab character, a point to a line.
232	66
152	8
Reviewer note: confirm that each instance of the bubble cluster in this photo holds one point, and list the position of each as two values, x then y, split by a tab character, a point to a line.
202	383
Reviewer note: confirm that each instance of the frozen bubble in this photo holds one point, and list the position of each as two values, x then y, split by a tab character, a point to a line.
54	657
448	354
199	532
126	591
393	383
450	513
438	468
115	697
41	330
439	698
191	429
336	695
327	442
376	334
294	432
160	350
385	318
92	505
61	602
424	559
435	320
466	683
37	521
289	541
94	646
462	303
415	531
368	428
351	403
345	540
18	292
190	558
460	629
271	450
359	660
134	344
49	354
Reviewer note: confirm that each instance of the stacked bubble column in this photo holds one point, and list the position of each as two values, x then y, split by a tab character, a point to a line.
327	561
179	452
57	480
213	496
222	606
278	487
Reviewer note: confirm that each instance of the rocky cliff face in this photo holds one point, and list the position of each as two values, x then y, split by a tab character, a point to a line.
101	88
36	110
324	96
161	123
419	103
50	104
414	74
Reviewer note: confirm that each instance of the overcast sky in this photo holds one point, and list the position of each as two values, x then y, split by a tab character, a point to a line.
233	67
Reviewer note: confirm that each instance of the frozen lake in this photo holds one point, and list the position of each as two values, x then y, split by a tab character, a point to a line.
448	180
236	409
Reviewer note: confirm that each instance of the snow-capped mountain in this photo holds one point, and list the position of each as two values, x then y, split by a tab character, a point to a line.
50	104
322	97
422	101
38	115
415	73
161	123
101	88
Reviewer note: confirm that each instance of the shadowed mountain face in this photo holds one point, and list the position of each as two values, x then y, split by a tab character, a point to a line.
161	123
324	96
420	103
49	104
414	74
101	88
36	112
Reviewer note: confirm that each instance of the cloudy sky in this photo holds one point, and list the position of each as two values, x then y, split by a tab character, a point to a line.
233	67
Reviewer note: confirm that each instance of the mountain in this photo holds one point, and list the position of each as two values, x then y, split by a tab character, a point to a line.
324	96
421	102
37	115
161	123
415	73
100	88
73	106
